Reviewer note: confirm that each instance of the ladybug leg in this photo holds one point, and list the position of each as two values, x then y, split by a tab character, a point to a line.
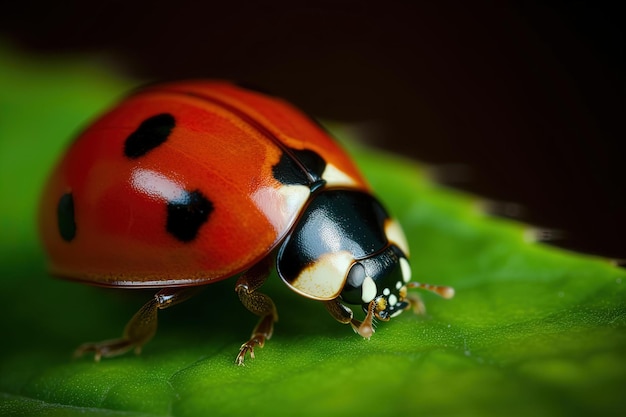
415	301
344	315
141	327
416	304
257	303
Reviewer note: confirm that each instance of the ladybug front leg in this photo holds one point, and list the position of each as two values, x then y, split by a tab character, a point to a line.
142	327
344	315
259	304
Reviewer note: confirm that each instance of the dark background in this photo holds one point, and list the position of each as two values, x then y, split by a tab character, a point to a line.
528	96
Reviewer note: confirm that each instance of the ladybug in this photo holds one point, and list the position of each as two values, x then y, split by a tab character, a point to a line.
187	183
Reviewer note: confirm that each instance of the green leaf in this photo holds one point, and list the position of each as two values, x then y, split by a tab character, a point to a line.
533	330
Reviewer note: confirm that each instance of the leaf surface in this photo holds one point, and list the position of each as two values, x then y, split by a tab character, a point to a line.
533	330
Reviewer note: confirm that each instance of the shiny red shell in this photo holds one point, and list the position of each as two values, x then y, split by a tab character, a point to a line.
225	142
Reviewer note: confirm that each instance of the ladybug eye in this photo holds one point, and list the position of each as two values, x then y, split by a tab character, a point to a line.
356	275
359	287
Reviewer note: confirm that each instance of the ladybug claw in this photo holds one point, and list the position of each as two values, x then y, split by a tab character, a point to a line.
248	347
104	349
245	348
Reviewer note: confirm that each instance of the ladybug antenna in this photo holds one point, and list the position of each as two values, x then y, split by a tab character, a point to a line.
441	290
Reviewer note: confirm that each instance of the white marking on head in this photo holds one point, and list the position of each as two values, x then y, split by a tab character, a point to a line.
394	233
368	290
325	278
386	291
399	285
334	176
406	269
396	313
393	300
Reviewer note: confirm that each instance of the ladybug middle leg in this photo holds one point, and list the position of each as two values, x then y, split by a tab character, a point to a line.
257	303
141	327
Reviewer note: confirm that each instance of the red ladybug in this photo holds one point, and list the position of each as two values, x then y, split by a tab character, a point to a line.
189	183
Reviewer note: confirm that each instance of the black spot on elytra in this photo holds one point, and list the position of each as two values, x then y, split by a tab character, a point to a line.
65	217
299	167
185	216
150	134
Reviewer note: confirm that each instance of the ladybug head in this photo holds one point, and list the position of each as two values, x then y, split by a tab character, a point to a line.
345	245
381	278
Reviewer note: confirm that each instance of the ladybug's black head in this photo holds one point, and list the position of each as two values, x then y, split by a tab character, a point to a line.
381	278
345	248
